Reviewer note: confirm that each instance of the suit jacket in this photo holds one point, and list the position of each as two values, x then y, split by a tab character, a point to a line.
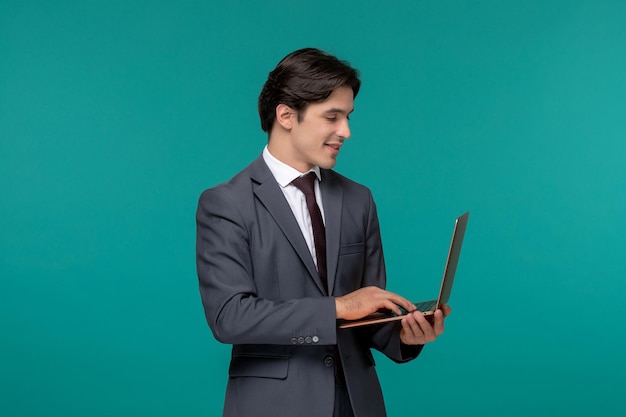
262	294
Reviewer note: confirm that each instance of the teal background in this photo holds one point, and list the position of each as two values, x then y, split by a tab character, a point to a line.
115	115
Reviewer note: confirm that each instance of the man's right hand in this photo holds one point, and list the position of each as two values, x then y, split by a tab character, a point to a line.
368	300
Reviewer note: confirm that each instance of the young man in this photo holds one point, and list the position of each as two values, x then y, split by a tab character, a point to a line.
279	263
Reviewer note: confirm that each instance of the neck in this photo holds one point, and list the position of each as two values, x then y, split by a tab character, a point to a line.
280	148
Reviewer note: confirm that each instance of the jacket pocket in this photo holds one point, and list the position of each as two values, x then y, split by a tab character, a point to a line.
352	248
259	366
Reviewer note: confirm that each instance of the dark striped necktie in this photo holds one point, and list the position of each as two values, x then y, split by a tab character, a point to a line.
306	184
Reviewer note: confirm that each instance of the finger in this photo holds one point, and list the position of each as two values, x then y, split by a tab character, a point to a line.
401	301
395	307
411	331
446	309
391	306
438	324
425	326
391	301
378	298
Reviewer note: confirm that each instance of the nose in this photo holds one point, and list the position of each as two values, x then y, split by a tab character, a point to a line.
344	129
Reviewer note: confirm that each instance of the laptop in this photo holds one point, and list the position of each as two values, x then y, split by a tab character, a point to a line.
426	307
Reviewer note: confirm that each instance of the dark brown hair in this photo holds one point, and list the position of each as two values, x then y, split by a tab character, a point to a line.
304	76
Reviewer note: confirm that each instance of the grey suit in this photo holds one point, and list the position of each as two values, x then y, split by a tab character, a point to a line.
262	294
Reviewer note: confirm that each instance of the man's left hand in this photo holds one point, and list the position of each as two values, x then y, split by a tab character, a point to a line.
418	330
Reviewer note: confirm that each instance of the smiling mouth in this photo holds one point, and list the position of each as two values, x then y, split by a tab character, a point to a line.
334	146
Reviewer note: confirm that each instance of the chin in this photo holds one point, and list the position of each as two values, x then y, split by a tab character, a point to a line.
327	164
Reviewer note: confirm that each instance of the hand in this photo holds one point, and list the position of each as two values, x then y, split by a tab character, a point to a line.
368	300
418	329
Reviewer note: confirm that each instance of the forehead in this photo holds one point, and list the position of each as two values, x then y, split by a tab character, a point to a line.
341	100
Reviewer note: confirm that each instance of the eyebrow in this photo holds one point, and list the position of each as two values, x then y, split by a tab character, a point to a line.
337	110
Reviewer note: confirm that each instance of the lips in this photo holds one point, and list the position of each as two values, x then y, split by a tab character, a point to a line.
334	147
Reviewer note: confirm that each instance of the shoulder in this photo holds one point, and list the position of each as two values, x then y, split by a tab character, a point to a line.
235	186
241	185
229	199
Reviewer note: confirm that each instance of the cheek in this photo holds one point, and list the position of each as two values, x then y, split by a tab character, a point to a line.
315	139
324	133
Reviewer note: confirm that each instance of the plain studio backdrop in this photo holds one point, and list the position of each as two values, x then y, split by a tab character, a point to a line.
115	115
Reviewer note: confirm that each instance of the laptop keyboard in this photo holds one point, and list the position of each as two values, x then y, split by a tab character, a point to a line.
426	305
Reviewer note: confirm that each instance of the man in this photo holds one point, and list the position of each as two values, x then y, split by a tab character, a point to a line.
279	266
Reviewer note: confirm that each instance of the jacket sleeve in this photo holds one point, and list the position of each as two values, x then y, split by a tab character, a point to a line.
233	309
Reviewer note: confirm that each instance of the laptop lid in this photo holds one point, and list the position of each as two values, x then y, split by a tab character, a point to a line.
458	234
453	259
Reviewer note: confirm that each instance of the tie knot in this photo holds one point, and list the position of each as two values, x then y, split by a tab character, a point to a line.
306	183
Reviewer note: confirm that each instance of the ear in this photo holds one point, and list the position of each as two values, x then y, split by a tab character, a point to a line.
285	116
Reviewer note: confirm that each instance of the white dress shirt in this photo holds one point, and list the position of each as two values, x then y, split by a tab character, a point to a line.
284	174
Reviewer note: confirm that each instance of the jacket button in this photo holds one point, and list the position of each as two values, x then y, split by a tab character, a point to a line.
329	361
308	339
301	340
315	339
294	340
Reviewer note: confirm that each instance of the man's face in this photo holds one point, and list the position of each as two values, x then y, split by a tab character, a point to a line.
317	138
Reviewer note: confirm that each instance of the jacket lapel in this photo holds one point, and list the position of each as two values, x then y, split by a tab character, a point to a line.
332	199
271	197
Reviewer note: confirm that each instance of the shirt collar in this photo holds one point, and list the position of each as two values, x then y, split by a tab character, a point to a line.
284	173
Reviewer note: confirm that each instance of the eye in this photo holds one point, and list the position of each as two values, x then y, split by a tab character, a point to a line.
331	118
